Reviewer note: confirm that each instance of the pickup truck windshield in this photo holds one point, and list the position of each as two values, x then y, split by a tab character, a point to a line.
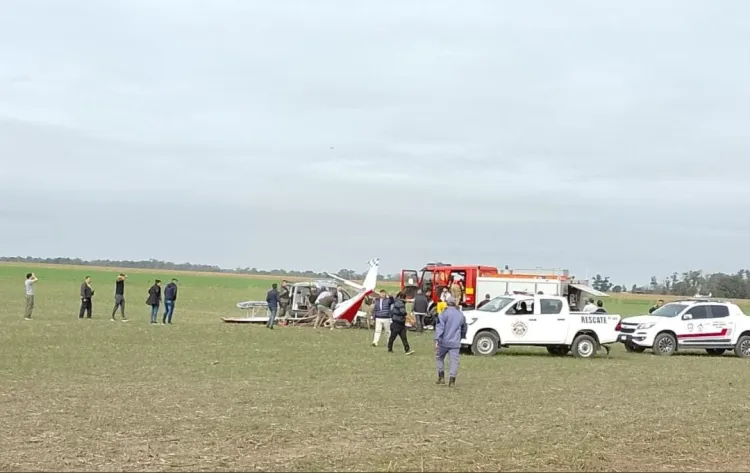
669	310
496	305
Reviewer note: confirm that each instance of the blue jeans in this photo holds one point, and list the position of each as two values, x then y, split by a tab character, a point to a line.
168	311
272	317
154	312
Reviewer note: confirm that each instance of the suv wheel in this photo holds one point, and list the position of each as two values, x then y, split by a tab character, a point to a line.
742	348
584	346
665	344
485	344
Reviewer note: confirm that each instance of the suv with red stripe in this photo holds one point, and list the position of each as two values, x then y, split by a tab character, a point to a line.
704	324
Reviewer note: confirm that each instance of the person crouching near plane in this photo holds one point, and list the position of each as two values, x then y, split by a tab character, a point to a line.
398	323
324	304
449	332
382	316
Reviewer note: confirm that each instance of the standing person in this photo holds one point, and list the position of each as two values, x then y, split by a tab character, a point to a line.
658	305
119	297
398	323
87	292
170	296
272	299
487	299
457	290
590	307
285	298
448	335
381	314
325	301
29	285
600	307
154	299
420	309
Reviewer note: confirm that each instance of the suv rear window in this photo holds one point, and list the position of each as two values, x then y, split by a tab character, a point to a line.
718	311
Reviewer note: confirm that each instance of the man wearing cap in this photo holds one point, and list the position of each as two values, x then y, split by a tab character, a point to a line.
449	331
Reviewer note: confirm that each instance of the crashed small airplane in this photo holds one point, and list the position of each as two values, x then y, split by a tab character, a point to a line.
348	309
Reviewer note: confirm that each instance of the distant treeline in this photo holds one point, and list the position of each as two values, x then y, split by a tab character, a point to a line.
205	268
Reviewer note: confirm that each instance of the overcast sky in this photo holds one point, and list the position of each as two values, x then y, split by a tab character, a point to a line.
598	136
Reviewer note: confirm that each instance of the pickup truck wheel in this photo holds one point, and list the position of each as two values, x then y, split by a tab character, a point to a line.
631	348
558	350
742	348
485	344
665	344
584	346
715	351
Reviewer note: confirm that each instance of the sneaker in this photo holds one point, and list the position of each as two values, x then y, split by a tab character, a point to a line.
125	320
112	320
410	352
374	344
27	318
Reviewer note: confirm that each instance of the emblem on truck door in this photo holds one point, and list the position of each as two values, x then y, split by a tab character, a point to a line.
519	329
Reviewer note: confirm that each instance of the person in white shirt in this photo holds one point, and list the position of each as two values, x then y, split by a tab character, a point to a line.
590	307
29	285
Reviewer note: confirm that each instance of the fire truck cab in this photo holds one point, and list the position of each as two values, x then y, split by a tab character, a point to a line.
434	277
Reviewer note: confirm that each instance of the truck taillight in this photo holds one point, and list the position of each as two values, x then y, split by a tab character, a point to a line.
618	327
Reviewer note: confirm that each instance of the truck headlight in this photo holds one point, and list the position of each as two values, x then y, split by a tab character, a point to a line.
646	326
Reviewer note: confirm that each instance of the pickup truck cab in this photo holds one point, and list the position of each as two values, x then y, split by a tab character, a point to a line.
538	320
708	324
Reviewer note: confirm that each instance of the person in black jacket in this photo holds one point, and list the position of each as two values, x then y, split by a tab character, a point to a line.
420	308
154	300
398	323
87	292
170	296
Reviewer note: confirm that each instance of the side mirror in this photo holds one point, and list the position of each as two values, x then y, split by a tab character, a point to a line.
687	317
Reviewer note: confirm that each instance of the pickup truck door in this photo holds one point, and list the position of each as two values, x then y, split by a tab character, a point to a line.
552	321
517	323
705	325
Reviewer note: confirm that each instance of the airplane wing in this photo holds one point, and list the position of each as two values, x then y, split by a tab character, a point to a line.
356	286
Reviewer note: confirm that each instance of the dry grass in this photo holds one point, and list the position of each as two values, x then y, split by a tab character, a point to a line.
202	395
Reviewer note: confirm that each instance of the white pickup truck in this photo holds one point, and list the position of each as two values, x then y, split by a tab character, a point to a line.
538	320
708	324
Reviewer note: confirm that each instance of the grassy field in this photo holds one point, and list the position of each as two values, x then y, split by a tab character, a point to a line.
202	395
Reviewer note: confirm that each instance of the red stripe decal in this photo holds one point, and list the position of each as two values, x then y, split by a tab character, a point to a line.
701	335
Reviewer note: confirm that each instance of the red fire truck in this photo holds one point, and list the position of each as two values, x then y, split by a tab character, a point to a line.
480	280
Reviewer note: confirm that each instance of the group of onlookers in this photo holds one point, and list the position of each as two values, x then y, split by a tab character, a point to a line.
154	300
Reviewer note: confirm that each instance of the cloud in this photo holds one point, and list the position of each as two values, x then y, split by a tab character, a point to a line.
608	138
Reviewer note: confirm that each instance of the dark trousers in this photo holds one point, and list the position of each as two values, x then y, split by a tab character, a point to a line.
85	307
398	330
168	311
119	303
419	321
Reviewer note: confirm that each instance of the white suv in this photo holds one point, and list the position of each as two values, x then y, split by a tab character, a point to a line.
713	325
